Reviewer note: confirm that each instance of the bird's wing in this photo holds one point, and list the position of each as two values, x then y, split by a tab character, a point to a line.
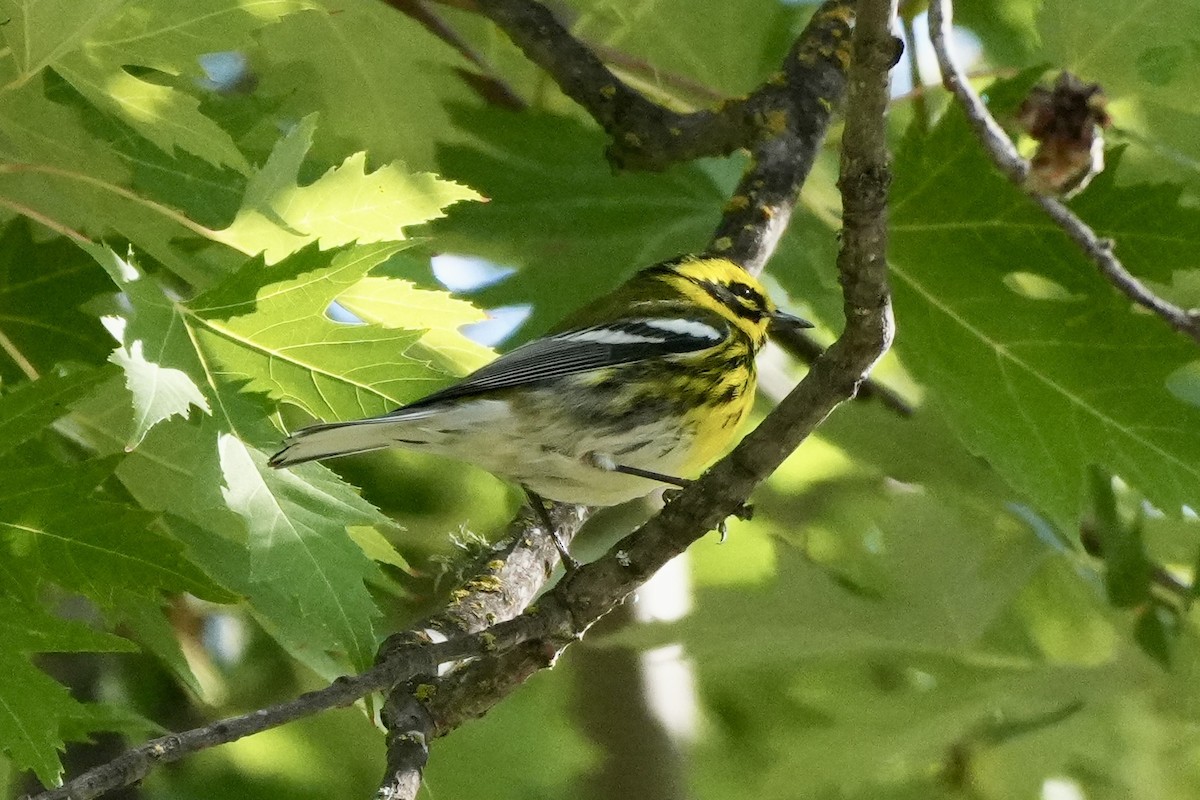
582	350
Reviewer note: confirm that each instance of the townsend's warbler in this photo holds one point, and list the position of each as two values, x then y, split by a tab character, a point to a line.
644	386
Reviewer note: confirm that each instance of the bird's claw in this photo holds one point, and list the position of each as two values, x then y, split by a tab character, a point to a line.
743	512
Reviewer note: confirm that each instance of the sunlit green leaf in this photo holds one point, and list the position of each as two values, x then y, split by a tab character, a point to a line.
348	203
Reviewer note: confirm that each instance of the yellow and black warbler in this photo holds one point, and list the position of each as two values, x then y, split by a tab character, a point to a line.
642	387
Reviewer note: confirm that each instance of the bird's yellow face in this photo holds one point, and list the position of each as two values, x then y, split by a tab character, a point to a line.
723	286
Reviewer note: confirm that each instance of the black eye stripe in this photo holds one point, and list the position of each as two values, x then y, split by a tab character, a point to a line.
731	298
747	293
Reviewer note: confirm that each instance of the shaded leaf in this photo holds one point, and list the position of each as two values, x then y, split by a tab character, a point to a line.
1040	387
34	708
167	38
556	211
88	545
29	409
42	286
38	32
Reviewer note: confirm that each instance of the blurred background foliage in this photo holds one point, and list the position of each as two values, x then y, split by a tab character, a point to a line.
224	218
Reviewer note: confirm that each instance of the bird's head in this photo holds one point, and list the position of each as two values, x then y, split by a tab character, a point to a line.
723	286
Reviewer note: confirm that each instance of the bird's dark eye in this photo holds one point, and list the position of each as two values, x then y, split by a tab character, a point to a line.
751	296
743	291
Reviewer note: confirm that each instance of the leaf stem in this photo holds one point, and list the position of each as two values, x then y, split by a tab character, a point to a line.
13	352
49	222
122	192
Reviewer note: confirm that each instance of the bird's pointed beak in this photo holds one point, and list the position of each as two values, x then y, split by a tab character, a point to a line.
781	320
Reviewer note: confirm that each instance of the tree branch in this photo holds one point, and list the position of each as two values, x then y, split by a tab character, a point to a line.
807	90
800	100
644	134
1006	158
417	657
596	588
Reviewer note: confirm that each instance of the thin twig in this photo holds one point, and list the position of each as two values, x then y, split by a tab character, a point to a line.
995	141
920	108
1006	158
647	72
416	658
488	84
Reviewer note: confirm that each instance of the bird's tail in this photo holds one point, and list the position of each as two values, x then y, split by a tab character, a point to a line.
333	439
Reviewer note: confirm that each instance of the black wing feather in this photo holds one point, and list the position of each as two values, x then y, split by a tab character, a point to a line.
576	351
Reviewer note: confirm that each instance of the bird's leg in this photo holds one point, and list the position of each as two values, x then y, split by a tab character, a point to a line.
539	508
637	472
744	512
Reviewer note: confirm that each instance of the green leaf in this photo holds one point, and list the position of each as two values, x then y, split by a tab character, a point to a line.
158	392
207	194
934	573
348	203
168	38
40	31
397	303
285	345
667	34
391	105
42	286
168	117
29	409
1037	385
1145	57
1128	571
266	325
1132	50
150	626
1157	630
556	211
276	538
88	545
34	708
152	338
1008	28
78	184
287	514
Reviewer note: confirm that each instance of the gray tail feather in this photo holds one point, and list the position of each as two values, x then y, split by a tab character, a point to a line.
333	439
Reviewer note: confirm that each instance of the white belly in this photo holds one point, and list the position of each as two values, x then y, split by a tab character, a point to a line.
552	455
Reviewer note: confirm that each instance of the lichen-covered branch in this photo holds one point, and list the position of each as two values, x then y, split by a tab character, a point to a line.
803	97
645	135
